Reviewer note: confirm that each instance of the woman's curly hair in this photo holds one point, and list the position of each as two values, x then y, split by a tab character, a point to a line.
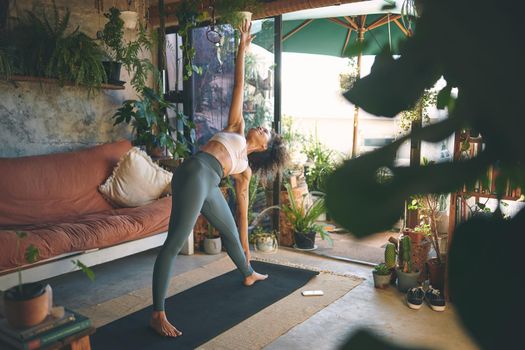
272	160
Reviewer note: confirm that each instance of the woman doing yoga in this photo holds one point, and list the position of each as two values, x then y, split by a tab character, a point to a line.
195	188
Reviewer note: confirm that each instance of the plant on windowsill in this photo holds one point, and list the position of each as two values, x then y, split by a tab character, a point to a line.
27	304
303	220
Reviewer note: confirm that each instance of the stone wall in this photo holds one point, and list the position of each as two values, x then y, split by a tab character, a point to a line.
46	118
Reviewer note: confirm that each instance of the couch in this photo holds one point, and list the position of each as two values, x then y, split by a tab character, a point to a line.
55	199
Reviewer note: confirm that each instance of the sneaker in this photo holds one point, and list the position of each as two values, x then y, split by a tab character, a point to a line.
435	299
415	297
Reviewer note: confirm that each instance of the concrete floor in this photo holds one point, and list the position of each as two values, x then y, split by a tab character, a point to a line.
382	311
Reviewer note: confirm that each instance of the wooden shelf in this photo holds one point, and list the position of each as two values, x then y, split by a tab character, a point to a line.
56	81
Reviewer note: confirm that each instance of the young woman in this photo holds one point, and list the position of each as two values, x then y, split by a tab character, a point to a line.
195	188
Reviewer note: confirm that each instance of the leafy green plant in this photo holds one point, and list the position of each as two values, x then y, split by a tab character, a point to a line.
382	270
420	111
30	255
303	219
320	164
77	58
188	14
152	128
228	10
112	35
43	46
459	54
6	63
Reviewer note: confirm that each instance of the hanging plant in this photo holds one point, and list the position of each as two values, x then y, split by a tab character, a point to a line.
188	15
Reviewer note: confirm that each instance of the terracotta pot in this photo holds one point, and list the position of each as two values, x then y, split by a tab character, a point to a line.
436	273
415	237
26	312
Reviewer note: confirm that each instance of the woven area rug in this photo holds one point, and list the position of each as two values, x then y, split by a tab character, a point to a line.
254	332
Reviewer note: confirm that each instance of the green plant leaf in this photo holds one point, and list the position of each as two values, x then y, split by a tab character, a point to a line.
31	254
84	268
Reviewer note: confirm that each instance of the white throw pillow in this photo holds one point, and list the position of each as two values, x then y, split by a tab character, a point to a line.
136	180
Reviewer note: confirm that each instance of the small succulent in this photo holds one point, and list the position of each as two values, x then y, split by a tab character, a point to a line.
382	269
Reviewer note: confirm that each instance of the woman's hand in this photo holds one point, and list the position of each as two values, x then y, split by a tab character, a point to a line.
246	37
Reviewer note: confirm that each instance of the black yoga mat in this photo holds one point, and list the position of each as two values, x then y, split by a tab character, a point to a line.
204	311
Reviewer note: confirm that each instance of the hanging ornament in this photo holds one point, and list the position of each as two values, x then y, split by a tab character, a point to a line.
212	34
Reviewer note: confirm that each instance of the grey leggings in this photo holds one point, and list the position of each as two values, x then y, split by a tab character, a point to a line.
195	189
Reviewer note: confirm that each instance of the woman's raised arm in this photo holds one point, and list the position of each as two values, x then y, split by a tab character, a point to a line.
235	118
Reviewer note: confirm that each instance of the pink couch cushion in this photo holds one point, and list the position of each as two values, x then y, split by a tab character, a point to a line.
48	188
88	231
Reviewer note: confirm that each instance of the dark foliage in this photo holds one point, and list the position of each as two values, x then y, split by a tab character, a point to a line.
486	68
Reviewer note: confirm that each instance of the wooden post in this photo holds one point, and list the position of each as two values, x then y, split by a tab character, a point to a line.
361	38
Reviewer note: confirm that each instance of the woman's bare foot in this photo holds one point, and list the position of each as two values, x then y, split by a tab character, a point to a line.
161	325
254	277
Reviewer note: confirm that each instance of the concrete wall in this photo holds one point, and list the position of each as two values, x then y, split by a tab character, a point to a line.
46	118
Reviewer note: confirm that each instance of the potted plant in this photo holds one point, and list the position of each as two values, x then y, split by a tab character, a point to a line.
235	12
43	46
153	129
264	242
303	221
407	276
212	243
428	206
381	275
26	304
112	37
188	15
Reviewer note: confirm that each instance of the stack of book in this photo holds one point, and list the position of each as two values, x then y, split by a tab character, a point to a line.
51	330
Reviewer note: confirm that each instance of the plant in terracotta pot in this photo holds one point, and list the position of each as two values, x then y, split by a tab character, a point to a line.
407	275
26	304
303	220
381	275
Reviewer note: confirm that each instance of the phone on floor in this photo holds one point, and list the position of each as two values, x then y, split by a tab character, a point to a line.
308	293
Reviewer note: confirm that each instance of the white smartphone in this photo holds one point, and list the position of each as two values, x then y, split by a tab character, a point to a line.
308	293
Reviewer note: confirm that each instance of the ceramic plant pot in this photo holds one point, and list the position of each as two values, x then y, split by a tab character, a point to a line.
212	246
27	309
266	244
381	281
406	280
305	240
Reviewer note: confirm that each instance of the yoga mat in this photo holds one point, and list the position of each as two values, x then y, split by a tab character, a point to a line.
204	311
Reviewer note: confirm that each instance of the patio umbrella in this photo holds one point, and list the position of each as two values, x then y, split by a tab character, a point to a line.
350	30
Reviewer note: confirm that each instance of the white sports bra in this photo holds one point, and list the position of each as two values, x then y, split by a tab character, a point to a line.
235	144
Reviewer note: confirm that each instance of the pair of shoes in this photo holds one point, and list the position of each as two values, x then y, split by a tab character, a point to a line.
435	300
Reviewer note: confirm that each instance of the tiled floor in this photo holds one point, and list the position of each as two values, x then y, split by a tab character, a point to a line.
383	311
